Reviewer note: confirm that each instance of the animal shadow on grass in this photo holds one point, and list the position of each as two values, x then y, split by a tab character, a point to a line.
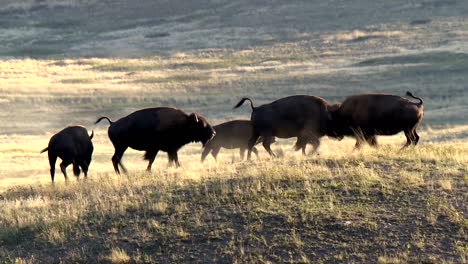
224	220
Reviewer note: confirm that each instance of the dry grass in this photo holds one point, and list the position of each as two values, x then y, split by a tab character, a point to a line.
374	205
119	256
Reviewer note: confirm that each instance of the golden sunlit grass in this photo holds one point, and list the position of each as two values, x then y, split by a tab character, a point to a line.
240	210
119	256
358	35
373	205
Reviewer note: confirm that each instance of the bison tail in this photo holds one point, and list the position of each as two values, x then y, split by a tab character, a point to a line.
242	102
44	150
104	117
92	134
417	98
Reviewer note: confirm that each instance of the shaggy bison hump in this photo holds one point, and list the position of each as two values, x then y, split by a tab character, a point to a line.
367	115
302	116
156	129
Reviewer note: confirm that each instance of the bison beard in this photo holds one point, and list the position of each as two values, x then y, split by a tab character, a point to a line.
74	146
156	129
368	115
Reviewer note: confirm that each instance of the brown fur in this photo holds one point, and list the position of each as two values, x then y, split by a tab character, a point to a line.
367	115
72	145
156	129
230	135
302	116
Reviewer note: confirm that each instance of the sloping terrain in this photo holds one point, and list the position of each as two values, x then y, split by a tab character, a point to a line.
65	62
385	206
204	55
145	27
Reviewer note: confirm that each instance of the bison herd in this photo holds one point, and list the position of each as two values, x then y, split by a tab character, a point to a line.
307	118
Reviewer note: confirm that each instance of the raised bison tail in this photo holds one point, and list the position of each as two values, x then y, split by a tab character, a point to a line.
417	98
242	102
44	150
104	117
92	134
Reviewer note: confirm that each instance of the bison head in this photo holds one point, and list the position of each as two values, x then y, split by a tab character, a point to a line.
201	129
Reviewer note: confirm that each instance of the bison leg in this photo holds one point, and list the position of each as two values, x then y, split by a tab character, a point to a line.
301	143
267	141
173	158
76	169
86	163
409	138
360	138
63	168
315	143
242	152
150	156
52	160
116	159
372	141
84	166
416	137
215	152
358	144
251	144
304	149
205	153
254	150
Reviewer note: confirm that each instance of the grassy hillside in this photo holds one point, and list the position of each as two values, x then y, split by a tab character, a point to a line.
203	55
66	62
380	205
138	28
50	94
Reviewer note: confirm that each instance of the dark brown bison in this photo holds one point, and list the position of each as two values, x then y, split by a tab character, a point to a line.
302	116
368	115
73	145
154	129
230	135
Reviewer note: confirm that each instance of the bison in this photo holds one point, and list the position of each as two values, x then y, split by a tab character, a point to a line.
230	135
74	146
302	116
367	115
156	129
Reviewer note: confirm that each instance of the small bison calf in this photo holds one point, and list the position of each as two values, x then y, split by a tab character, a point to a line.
231	135
73	145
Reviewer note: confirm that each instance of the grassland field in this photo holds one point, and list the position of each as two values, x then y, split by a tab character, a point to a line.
61	66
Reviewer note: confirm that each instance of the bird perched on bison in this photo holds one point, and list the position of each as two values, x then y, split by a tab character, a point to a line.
74	146
302	116
367	115
231	135
156	129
